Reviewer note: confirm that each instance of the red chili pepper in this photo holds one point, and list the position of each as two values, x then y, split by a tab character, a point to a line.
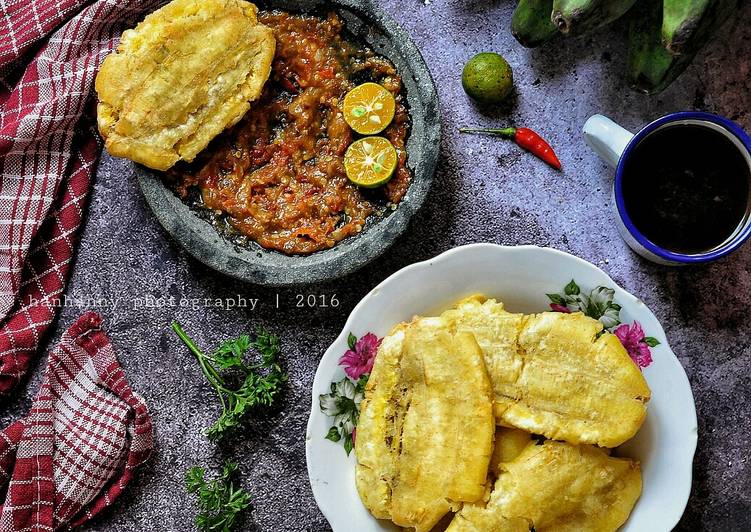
525	138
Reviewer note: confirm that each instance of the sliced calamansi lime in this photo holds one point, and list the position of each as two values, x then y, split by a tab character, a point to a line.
369	108
370	162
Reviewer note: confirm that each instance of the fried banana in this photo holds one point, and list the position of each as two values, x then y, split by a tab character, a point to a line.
556	487
182	76
509	443
554	374
424	438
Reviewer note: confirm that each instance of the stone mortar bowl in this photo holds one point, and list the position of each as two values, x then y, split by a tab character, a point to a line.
261	266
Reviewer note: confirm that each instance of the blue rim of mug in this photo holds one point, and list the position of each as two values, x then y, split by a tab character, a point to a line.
737	241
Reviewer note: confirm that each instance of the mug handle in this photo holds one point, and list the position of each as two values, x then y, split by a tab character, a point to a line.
607	139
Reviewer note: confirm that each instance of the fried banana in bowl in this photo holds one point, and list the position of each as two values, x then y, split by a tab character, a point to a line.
423	442
527	279
559	375
555	487
180	77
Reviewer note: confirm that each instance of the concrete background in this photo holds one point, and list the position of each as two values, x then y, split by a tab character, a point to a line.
485	191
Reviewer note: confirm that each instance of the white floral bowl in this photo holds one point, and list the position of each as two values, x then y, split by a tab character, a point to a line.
521	277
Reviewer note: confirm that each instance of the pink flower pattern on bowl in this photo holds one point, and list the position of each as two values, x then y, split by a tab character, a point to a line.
599	304
342	404
358	359
636	343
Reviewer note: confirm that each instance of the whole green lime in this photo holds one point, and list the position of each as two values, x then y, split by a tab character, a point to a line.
487	78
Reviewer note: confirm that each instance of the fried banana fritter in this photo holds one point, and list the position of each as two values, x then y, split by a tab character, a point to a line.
182	76
475	517
424	437
378	428
478	519
554	374
509	443
556	487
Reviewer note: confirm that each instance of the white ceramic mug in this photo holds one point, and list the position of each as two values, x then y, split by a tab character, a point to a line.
615	144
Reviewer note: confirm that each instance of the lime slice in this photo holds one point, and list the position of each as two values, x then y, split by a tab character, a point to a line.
370	162
369	108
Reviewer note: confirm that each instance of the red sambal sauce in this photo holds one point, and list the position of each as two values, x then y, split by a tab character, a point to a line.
278	176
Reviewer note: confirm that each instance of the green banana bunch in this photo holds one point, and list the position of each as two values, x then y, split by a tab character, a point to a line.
531	24
665	35
576	17
687	24
655	60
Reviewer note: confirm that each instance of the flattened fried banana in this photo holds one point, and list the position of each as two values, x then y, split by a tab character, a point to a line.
557	487
558	375
183	75
474	518
424	440
378	428
509	443
576	386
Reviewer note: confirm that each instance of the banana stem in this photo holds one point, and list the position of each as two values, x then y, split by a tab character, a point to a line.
506	133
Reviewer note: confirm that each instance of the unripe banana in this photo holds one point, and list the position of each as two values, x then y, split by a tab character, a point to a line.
577	17
688	22
651	68
531	24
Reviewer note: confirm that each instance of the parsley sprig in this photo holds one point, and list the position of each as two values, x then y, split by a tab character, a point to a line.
241	387
220	503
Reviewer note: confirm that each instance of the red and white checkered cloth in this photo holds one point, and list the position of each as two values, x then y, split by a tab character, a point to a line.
50	51
78	447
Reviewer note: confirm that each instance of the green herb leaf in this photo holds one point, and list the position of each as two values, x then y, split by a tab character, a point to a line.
651	341
194	479
231	353
348	443
557	299
220	503
361	383
228	468
333	434
268	346
260	383
572	289
351	341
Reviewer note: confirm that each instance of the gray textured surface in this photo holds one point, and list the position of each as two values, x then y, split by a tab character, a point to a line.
485	190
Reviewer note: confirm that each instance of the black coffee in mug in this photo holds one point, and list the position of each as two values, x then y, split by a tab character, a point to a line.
686	188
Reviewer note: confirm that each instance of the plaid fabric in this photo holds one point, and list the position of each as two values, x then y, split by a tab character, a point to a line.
49	54
78	447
